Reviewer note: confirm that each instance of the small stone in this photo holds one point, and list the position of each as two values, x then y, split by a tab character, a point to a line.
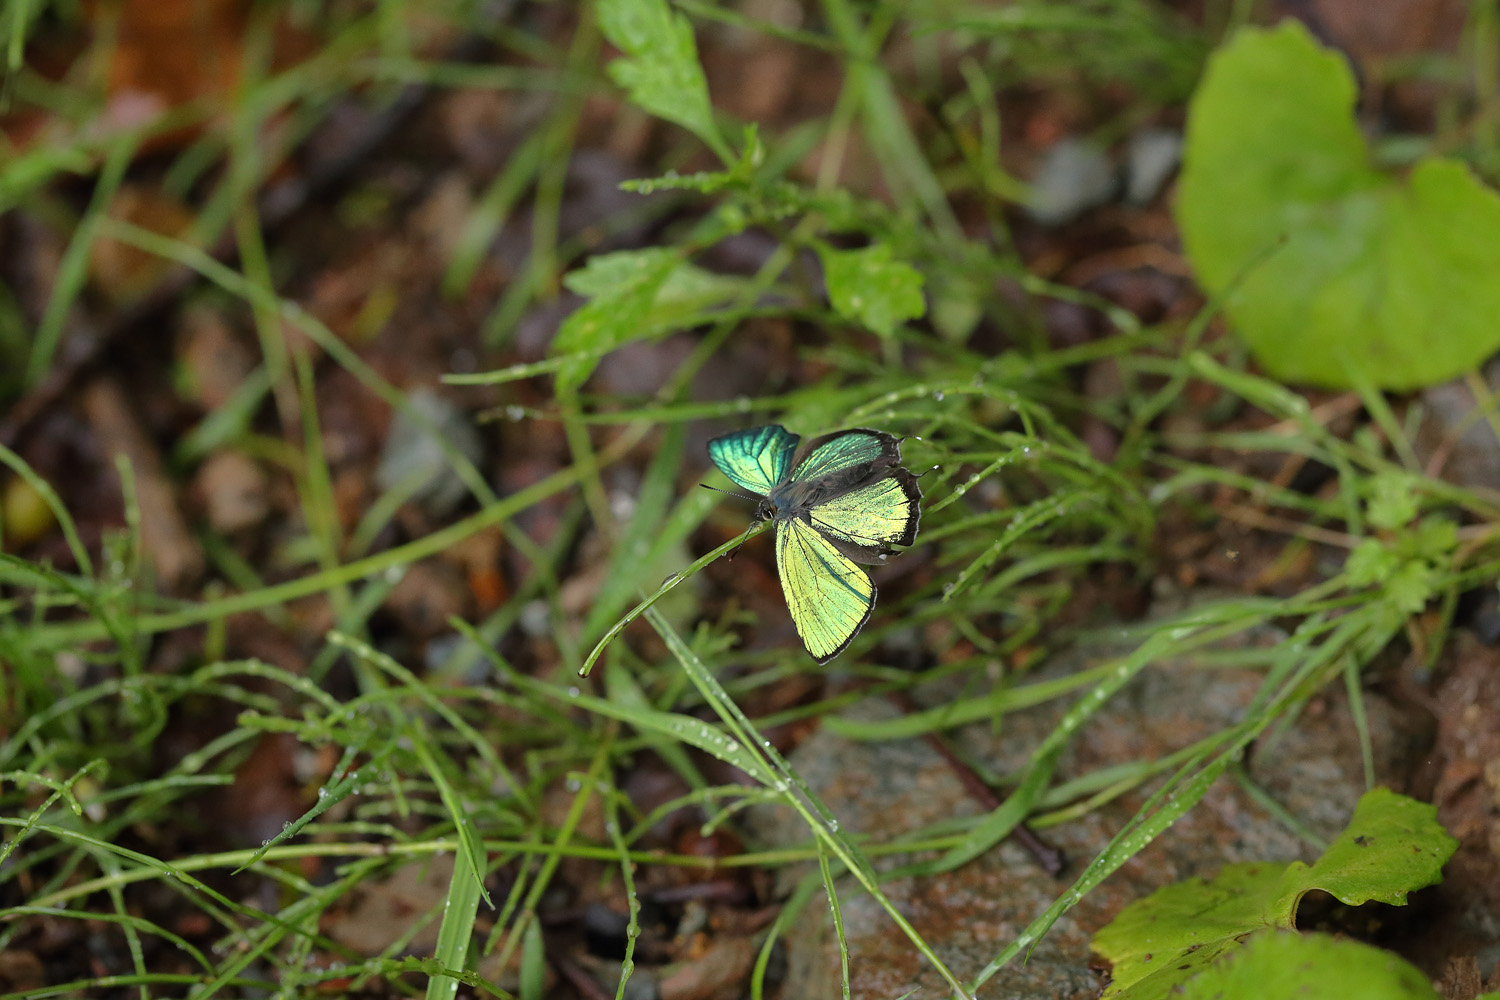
24	515
214	361
1150	158
428	596
1075	175
234	491
1454	441
413	459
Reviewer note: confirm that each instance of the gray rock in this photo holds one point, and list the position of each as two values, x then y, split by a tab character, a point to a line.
413	458
1460	443
1075	175
1150	158
971	914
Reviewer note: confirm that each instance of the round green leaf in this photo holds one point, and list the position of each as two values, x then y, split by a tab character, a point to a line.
1284	965
1334	273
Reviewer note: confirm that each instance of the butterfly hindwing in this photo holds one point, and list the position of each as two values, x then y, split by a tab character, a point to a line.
829	596
865	522
758	459
846	450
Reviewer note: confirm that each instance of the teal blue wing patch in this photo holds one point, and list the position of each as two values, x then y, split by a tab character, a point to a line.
829	596
846	449
865	522
758	459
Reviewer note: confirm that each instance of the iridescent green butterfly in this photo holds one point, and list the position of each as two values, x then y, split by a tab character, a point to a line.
845	503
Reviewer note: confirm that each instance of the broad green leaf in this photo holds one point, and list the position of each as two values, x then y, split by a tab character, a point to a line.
688	294
1158	943
615	275
1435	537
622	288
680	298
1392	846
871	289
662	73
1334	273
1288	966
633	295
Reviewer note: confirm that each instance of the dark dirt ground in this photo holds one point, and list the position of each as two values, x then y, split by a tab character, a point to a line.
361	222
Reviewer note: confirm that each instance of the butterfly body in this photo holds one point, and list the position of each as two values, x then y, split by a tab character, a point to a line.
845	504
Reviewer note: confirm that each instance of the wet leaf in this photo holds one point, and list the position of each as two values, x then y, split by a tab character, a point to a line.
1336	274
1286	966
662	73
622	288
870	288
1393	845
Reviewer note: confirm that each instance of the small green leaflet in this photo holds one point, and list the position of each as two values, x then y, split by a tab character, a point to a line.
661	73
870	288
634	295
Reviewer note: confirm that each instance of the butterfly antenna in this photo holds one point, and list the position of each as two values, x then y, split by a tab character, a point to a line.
728	493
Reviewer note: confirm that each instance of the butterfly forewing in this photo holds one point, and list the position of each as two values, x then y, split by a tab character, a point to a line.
829	596
759	459
847	450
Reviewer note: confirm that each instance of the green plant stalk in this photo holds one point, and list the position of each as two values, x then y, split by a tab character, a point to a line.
671	582
795	793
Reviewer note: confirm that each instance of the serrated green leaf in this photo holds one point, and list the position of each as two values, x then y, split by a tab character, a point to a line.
1157	943
688	293
1412	585
1435	537
1393	500
870	288
1392	846
615	275
1369	563
1289	966
634	295
662	73
624	286
1336	274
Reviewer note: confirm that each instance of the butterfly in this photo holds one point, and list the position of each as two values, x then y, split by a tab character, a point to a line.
844	504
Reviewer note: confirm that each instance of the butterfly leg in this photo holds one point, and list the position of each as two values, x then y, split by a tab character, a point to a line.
743	538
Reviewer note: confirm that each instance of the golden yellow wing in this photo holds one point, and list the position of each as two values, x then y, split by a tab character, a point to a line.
829	596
